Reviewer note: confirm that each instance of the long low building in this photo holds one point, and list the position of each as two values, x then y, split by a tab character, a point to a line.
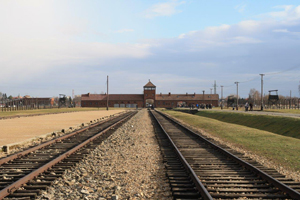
149	97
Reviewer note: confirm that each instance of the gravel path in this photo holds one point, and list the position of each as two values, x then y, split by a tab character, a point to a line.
128	165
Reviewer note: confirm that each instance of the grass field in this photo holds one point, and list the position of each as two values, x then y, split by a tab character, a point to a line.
48	111
292	111
282	150
280	125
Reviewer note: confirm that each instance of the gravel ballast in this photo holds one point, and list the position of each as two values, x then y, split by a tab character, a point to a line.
128	165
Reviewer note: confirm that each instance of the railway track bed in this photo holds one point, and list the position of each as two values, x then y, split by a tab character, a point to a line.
198	169
26	174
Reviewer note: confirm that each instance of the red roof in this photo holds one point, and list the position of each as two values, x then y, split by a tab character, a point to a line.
187	97
149	84
115	97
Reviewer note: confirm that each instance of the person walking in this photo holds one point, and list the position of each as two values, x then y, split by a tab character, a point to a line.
246	106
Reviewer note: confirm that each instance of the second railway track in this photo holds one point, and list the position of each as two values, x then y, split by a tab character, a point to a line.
24	175
211	172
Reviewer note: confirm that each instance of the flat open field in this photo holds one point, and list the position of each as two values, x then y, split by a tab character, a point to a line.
291	111
47	111
19	129
282	125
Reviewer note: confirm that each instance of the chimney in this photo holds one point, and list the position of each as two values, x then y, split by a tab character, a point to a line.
88	94
160	94
169	93
194	93
186	94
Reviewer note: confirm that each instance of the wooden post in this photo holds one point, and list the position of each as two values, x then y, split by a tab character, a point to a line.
107	95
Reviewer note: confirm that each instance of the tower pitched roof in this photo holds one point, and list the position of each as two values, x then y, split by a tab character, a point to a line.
149	84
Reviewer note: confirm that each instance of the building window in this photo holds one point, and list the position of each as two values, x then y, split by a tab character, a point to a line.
149	88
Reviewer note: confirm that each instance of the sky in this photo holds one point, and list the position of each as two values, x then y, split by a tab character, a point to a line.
53	47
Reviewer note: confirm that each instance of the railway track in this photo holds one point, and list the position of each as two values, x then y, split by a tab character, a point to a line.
26	174
199	169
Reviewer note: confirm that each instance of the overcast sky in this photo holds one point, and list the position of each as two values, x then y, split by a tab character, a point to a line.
51	47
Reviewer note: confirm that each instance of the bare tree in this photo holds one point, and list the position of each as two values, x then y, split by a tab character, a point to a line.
77	100
254	96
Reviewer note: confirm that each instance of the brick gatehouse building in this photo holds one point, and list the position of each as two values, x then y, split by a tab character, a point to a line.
149	97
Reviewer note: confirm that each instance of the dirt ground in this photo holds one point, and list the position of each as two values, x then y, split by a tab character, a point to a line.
20	129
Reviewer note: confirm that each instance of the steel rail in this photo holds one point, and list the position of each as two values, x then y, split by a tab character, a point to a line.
204	193
23	153
14	186
284	188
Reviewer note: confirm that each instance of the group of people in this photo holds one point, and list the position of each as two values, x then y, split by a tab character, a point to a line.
247	105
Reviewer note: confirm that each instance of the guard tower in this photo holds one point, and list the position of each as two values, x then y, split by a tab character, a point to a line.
62	101
230	101
273	98
149	94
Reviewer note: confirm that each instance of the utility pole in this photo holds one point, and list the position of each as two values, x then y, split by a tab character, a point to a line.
221	96
290	99
222	91
262	91
107	95
237	95
210	96
215	88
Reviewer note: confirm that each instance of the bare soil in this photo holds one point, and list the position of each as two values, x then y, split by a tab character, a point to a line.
20	129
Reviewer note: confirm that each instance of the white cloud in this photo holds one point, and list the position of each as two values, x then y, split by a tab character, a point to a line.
240	8
124	30
31	50
164	9
36	56
181	36
281	31
244	40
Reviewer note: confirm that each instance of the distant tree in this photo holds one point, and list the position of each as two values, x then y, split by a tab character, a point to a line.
299	87
70	101
254	96
77	100
10	97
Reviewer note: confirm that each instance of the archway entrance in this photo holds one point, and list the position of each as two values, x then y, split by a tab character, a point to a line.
149	103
